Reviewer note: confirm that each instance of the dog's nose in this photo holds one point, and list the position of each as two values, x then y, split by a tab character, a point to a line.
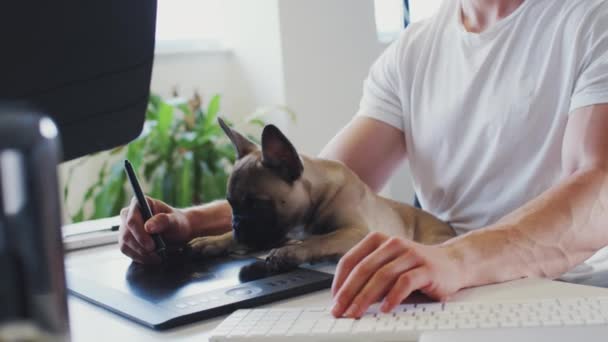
237	235
236	222
236	228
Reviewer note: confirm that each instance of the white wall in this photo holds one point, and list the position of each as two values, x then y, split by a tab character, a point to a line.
205	71
252	33
328	48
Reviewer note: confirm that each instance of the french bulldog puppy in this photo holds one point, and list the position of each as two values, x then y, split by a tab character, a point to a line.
307	209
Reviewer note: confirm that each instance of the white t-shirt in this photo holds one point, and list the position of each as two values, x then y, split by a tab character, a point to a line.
484	115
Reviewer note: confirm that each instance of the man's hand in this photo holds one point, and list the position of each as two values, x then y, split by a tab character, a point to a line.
134	238
392	268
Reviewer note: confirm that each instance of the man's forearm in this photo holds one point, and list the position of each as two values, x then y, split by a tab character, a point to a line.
213	218
544	238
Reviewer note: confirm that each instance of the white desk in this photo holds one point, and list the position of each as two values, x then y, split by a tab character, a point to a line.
89	323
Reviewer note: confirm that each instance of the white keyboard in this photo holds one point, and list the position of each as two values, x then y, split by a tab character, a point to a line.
408	321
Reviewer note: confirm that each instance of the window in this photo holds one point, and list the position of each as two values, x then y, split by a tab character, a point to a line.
389	18
389	15
422	9
188	25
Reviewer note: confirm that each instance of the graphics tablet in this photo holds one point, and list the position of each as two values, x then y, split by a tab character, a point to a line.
181	293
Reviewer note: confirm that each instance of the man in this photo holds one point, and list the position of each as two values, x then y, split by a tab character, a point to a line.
501	107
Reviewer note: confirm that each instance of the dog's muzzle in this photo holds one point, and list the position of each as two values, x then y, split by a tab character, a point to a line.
257	230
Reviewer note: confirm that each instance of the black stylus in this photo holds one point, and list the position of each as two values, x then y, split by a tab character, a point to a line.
161	248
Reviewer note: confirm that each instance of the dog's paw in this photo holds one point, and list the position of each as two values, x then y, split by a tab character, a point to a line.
209	246
254	271
286	258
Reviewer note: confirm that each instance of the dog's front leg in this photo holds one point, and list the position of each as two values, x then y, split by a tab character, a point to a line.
209	246
314	249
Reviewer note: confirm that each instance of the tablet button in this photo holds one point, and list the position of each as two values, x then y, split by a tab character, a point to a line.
243	291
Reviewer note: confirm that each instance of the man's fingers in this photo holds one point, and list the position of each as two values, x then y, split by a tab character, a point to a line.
380	283
158	223
356	280
126	250
128	240
135	224
157	206
407	283
346	264
131	251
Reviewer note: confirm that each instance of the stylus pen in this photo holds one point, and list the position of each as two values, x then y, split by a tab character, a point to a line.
161	248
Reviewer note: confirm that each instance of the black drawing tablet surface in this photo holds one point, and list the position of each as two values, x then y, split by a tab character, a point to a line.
180	293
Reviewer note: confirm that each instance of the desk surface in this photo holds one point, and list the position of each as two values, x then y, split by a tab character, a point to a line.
90	323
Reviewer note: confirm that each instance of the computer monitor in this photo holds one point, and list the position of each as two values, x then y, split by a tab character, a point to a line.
86	64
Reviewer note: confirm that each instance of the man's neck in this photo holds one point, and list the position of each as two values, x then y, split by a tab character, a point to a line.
478	15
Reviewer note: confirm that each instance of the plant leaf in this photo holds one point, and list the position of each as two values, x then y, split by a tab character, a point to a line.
153	104
106	199
263	112
79	216
257	122
186	178
168	188
151	167
157	183
214	186
165	119
212	110
135	152
155	100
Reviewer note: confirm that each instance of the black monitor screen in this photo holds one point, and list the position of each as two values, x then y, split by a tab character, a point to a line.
87	64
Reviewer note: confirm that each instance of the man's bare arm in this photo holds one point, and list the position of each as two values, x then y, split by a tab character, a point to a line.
213	218
371	148
559	229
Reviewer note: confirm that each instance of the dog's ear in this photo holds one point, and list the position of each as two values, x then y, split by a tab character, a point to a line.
242	145
279	154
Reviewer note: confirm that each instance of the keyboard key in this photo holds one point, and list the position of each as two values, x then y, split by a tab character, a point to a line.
426	325
321	328
259	330
363	327
278	331
447	324
342	325
405	327
385	327
467	324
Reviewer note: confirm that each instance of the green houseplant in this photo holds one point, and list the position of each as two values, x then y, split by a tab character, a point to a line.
182	155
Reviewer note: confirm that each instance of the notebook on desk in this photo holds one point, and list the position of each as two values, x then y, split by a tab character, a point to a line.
90	233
